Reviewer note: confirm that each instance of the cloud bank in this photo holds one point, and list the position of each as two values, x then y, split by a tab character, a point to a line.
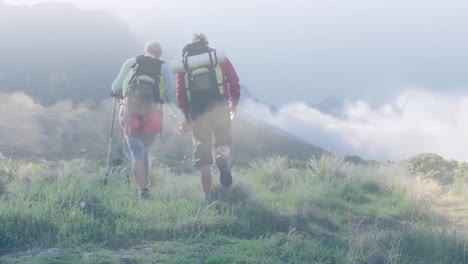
417	121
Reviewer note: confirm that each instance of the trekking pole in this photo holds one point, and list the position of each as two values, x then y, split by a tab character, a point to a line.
109	147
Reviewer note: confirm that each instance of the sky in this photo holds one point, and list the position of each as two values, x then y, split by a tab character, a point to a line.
307	50
400	66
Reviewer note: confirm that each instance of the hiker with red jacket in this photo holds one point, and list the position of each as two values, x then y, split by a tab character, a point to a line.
208	96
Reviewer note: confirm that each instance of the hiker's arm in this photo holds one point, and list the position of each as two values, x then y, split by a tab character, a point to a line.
233	82
118	82
181	94
169	96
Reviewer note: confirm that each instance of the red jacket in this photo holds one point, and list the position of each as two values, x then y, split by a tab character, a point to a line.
231	87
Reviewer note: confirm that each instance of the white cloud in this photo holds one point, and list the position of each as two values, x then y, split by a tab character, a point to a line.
417	121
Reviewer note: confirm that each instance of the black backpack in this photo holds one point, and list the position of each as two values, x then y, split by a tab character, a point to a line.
144	89
203	80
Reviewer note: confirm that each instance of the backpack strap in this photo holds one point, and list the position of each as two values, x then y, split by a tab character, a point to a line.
213	73
134	75
216	57
211	58
189	77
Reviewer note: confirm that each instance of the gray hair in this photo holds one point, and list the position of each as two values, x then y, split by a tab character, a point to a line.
153	47
200	37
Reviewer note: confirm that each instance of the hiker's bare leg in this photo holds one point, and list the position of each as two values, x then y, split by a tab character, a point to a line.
205	174
202	154
137	152
147	164
224	151
222	154
140	172
222	141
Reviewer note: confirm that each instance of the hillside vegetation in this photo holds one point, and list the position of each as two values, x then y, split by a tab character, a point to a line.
329	211
66	131
46	55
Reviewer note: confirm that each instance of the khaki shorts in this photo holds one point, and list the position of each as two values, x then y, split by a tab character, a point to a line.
214	124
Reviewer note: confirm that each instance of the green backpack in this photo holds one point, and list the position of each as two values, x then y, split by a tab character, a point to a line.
205	81
141	89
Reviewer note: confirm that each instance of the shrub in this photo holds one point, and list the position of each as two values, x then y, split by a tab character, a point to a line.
432	166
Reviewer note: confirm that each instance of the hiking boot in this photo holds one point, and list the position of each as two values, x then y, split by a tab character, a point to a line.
143	194
225	175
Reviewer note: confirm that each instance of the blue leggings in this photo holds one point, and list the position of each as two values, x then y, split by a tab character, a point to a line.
139	146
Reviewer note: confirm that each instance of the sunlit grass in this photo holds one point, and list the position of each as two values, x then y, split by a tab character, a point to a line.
330	212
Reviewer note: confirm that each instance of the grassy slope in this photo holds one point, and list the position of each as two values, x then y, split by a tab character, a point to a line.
333	212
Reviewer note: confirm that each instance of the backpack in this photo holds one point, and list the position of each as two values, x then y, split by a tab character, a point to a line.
205	81
142	85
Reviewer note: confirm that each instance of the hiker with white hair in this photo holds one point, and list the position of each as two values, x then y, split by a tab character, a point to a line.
141	86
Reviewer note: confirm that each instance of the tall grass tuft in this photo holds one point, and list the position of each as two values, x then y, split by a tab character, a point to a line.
273	173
